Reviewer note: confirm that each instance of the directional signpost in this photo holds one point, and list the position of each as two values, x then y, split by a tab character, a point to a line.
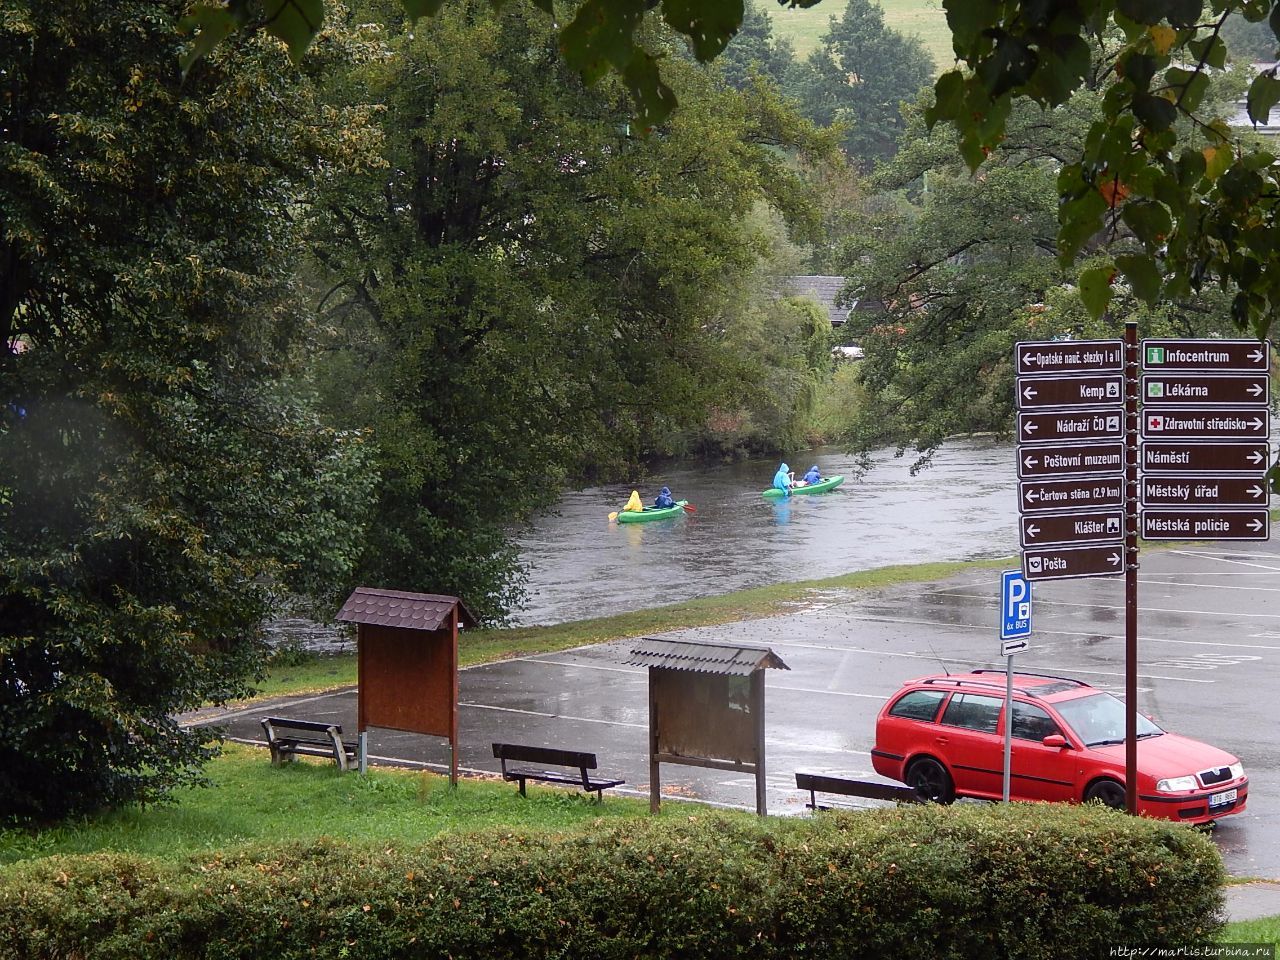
1015	627
1205	431
1071	456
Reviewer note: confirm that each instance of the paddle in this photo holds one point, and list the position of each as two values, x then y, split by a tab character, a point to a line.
688	508
613	516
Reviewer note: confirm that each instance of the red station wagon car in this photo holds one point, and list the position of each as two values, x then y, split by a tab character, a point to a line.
944	736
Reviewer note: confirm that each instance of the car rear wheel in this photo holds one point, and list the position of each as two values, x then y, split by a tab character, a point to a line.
930	780
1107	792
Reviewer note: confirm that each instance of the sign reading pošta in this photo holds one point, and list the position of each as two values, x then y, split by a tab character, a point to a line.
1071	457
1198	397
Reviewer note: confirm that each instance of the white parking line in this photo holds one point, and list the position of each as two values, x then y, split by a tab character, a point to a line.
1226	558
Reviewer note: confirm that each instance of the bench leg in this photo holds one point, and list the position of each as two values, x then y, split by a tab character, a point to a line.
522	793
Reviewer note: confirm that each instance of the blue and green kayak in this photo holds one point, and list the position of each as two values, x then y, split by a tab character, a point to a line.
652	513
822	486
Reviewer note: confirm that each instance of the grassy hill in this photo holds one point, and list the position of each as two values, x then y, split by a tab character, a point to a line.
924	18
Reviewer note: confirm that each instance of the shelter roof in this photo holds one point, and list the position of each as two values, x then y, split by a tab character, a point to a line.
408	611
731	659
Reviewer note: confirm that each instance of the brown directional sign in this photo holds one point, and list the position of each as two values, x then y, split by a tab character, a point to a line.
1161	491
1104	424
1061	563
1199	423
1219	458
1070	356
1192	524
1046	529
1070	460
1037	496
1035	393
1205	356
1166	390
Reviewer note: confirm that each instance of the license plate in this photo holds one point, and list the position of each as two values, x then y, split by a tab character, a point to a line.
1223	798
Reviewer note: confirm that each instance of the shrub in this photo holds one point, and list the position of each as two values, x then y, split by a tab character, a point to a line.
1027	881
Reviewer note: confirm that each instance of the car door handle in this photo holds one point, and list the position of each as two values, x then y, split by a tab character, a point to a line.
943	740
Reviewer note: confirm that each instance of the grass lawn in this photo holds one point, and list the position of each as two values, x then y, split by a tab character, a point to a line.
252	800
924	18
1266	930
485	646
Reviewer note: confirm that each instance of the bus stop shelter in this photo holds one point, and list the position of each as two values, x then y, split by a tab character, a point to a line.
407	658
706	707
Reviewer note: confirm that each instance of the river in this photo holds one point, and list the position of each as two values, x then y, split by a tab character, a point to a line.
962	506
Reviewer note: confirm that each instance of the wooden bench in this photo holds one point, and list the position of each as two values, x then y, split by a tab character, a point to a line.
326	741
559	758
817	783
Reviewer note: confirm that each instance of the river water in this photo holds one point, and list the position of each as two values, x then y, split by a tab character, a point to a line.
963	506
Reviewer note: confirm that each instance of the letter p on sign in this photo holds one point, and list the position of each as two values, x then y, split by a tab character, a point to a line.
1015	604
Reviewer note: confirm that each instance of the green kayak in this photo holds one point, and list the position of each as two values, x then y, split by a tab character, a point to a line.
822	486
652	513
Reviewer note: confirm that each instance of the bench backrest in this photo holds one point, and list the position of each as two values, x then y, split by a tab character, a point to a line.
563	758
855	788
315	726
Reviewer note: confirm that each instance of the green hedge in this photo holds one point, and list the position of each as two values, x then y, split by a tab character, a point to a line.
969	881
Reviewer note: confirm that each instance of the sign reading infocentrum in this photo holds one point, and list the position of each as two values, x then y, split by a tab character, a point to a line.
1204	356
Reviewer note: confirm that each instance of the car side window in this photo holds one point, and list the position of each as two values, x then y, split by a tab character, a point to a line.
918	705
973	712
1031	723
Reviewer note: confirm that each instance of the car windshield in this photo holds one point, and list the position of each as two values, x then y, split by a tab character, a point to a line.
1099	719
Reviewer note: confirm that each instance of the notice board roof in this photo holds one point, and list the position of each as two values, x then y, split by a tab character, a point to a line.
408	611
726	659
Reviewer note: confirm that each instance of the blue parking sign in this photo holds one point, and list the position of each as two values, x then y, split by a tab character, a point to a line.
1015	605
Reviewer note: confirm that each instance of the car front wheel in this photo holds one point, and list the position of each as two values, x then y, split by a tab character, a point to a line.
1107	792
930	780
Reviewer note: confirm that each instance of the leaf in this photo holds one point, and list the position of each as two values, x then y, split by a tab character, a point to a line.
1264	92
1156	113
709	24
969	20
1162	38
429	8
1143	276
602	34
1212	50
1274	21
948	98
1010	66
212	25
1183	13
1216	161
1143	11
1095	289
1149	221
296	22
653	99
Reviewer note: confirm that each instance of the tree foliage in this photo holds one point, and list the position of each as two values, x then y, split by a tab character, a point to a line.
967	266
157	481
1200	202
858	77
525	289
755	50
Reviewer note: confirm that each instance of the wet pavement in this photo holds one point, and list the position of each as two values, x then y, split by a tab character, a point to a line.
1209	649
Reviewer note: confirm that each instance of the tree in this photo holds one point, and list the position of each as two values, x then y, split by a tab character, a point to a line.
858	76
159	482
1202	215
526	289
968	266
754	49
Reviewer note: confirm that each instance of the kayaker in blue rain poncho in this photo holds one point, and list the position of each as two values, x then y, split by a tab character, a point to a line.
782	479
663	499
813	476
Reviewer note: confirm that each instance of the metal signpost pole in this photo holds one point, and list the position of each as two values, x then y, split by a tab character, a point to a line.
1131	569
1008	721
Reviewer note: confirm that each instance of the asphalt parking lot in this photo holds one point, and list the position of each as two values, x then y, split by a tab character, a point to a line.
1209	650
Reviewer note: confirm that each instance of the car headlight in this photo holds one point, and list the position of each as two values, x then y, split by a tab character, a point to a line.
1176	784
1237	770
